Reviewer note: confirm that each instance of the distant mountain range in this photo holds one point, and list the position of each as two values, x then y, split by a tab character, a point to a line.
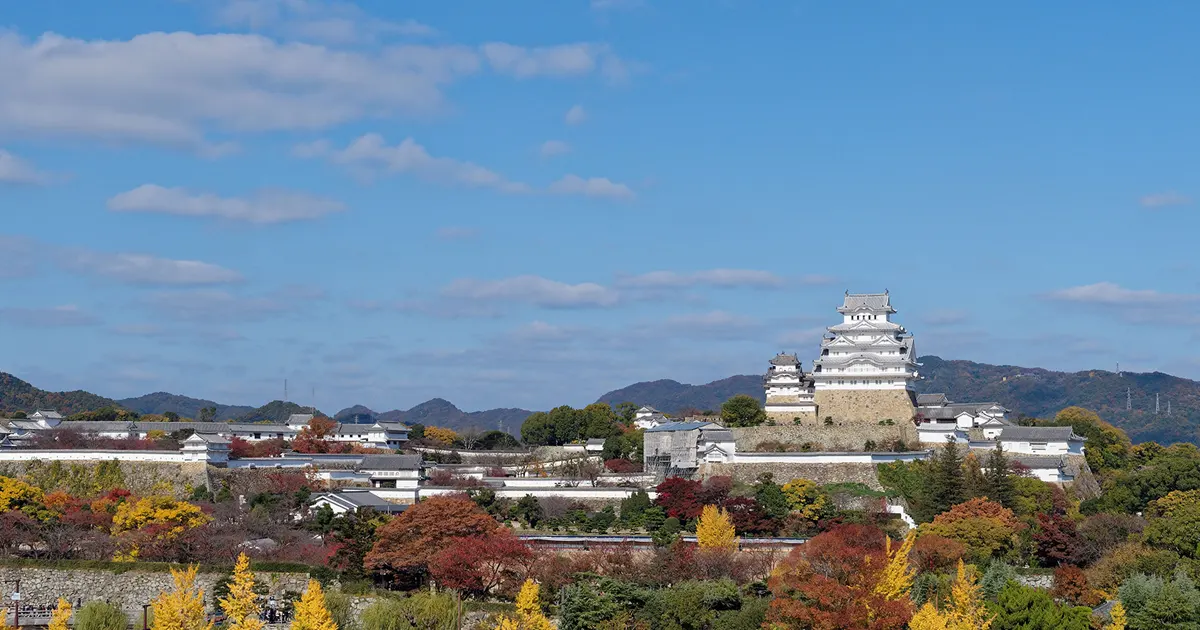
1026	391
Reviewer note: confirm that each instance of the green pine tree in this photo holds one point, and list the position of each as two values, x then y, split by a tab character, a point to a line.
999	478
946	480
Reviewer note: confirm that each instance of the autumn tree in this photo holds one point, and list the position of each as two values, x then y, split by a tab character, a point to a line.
529	615
157	518
316	436
441	435
804	497
987	528
1173	522
408	542
680	498
831	583
1071	584
715	529
1056	538
311	612
183	607
897	575
241	604
61	615
481	564
742	411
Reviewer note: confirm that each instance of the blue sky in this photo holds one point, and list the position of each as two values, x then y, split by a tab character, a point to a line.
528	204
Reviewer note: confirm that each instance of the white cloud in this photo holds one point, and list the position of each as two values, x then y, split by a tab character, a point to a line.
216	305
551	148
710	321
456	233
52	317
576	115
590	187
14	170
180	88
1111	294
143	268
534	290
1165	199
331	22
265	206
708	277
371	153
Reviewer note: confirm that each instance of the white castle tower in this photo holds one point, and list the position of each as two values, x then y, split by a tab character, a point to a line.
789	390
867	365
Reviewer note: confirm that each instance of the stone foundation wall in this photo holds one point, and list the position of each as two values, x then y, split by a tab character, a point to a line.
867	406
788	417
836	437
139	477
129	589
820	473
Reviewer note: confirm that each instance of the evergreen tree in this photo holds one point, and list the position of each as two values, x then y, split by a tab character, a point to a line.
999	478
946	480
241	604
771	496
975	485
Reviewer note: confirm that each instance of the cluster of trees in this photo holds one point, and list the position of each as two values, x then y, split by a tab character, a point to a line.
469	439
565	424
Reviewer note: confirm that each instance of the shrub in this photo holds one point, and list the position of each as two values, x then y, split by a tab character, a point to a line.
100	615
338	604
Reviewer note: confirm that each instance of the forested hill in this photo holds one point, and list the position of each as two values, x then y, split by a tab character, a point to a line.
185	406
17	395
1026	391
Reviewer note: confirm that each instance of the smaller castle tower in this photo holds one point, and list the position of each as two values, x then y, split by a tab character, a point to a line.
789	390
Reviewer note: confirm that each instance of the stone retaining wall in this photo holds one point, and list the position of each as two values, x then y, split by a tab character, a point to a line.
867	406
129	590
820	473
836	437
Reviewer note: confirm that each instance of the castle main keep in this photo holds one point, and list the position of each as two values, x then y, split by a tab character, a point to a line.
864	373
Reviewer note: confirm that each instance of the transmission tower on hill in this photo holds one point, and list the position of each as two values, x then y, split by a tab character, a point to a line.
1128	399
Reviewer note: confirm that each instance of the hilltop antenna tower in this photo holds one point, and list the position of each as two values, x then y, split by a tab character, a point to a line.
1128	399
1156	404
1168	406
285	390
1119	373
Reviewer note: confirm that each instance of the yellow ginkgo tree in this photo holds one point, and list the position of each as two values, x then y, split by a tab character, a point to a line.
311	612
897	575
529	611
715	529
964	611
61	615
183	607
241	604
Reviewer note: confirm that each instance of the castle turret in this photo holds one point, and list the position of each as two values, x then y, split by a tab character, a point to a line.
789	390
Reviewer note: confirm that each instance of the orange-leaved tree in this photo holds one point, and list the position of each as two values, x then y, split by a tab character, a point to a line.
715	529
833	582
316	437
987	528
965	609
440	435
408	542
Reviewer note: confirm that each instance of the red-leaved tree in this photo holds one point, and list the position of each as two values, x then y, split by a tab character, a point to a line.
829	584
680	498
1057	539
483	564
316	437
407	543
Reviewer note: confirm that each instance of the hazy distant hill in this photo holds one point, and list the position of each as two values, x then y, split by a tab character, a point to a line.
162	402
1026	391
671	396
17	395
275	411
443	413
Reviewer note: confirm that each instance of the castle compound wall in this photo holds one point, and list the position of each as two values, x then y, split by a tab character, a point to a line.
866	406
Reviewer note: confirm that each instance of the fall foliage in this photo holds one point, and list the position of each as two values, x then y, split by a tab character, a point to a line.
441	435
60	616
529	614
409	541
241	604
715	529
481	564
311	612
183	607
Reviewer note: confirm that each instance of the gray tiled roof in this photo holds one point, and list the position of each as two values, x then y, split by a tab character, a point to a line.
932	399
681	426
785	359
361	499
1038	433
717	435
211	438
596	442
1034	461
648	408
299	418
390	462
878	301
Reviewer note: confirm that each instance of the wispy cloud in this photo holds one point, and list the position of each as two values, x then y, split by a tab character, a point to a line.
708	277
456	233
264	207
551	148
14	170
191	91
316	20
53	317
1165	200
127	267
576	115
370	156
1112	294
600	187
534	290
218	305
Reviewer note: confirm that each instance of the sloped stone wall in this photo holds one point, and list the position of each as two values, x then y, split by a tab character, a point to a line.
845	436
820	473
129	589
866	405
